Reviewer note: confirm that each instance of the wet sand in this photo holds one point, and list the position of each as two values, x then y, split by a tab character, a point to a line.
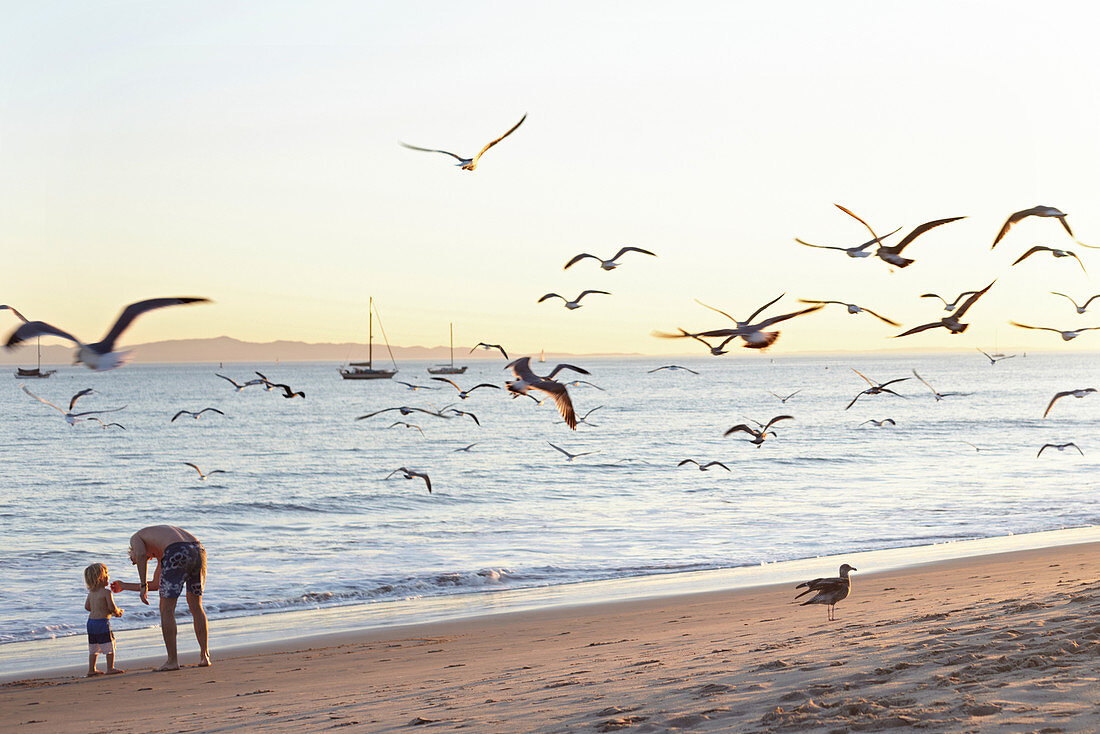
1007	642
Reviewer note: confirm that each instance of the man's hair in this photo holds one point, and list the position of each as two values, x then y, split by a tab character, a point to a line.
95	576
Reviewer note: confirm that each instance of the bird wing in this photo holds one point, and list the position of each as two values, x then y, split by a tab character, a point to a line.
761	310
880	317
177	415
559	448
716	463
1076	447
585	293
1012	219
685	461
1065	224
1054	400
483	384
450	382
134	310
958	314
926	382
47	402
777	419
1032	251
658	369
1063	295
776	319
32	329
560	367
212	410
917	233
865	377
1040	328
891	382
229	379
1074	256
18	315
934	295
830	247
459	158
194	467
739	427
502	137
561	399
849	405
623	250
95	412
551	295
858	219
1086	304
74	398
521	368
577	259
377	412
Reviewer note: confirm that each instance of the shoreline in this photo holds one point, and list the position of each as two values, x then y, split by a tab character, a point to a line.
251	633
1005	642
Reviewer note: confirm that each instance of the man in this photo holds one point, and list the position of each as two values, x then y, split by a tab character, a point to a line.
181	561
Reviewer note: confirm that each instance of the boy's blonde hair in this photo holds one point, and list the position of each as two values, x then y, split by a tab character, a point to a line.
95	576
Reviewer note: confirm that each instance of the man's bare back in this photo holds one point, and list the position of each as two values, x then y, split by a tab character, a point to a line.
150	542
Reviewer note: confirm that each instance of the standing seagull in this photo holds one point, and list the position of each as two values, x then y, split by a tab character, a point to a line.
99	356
892	255
1079	393
1053	251
1066	335
951	323
874	389
576	302
1060	447
569	456
1035	211
852	309
1080	309
829	591
761	433
526	379
70	417
608	264
468	164
207	474
411	474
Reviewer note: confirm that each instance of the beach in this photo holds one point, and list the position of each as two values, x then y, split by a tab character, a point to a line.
1003	642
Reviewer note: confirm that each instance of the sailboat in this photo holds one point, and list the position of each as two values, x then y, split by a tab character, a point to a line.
365	370
22	374
444	369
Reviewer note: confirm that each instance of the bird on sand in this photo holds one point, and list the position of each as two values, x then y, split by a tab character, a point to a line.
195	415
949	305
576	302
240	385
673	368
1079	393
875	388
704	467
468	164
785	399
951	323
936	393
487	347
1035	211
463	394
760	433
610	264
203	476
99	356
411	474
892	254
1079	308
829	590
1060	447
1068	335
1053	251
526	380
876	423
752	334
70	417
569	456
852	309
994	358
858	251
406	425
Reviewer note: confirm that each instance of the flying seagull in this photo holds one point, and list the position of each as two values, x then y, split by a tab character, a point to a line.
458	412
406	425
753	335
487	347
892	255
673	368
874	389
575	303
1066	335
578	383
413	387
411	474
526	380
569	456
463	394
18	315
879	424
70	417
405	410
468	164
465	449
949	305
854	252
829	591
584	419
1053	251
207	474
1035	211
951	323
287	392
608	264
761	433
994	359
195	415
785	399
99	356
1060	447
1079	393
1080	309
240	385
852	309
936	393
704	467
105	426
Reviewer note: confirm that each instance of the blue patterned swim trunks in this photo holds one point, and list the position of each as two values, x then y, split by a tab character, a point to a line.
182	564
100	637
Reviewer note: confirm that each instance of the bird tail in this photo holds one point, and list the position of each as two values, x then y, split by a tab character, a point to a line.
807	591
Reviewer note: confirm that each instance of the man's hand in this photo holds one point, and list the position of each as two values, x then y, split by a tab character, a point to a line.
116	586
144	595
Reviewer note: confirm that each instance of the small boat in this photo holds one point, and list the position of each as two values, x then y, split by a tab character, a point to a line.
365	370
449	369
36	372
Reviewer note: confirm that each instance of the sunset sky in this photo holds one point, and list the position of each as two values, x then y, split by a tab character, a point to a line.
248	153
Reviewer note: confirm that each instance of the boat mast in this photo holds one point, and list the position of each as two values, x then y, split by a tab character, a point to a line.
370	334
452	344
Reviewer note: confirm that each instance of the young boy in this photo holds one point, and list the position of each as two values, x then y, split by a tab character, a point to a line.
101	607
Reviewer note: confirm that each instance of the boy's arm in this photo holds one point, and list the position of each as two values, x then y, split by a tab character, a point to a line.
112	610
88	602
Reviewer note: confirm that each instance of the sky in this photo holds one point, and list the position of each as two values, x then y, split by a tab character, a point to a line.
248	152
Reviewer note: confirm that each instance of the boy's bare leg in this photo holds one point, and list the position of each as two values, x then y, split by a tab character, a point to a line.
111	669
168	631
198	615
91	665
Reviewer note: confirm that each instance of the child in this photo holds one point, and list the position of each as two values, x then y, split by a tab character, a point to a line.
101	607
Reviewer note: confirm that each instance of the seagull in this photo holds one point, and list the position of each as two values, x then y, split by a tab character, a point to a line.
938	395
405	410
241	386
406	425
829	591
994	359
195	415
854	252
569	456
456	411
18	315
526	379
672	367
874	389
105	426
951	323
761	433
949	306
1035	211
1079	393
99	356
287	392
207	474
785	399
414	387
468	164
574	304
410	474
1080	309
753	335
1053	251
578	383
584	420
1060	447
607	264
70	417
976	448
463	394
853	309
1066	335
892	255
465	449
704	467
487	347
880	423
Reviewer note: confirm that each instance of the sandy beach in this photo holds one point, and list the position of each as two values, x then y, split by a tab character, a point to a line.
1006	642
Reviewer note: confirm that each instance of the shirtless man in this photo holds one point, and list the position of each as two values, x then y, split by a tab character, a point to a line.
181	561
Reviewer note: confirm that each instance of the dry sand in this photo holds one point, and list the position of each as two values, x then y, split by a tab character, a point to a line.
1008	642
